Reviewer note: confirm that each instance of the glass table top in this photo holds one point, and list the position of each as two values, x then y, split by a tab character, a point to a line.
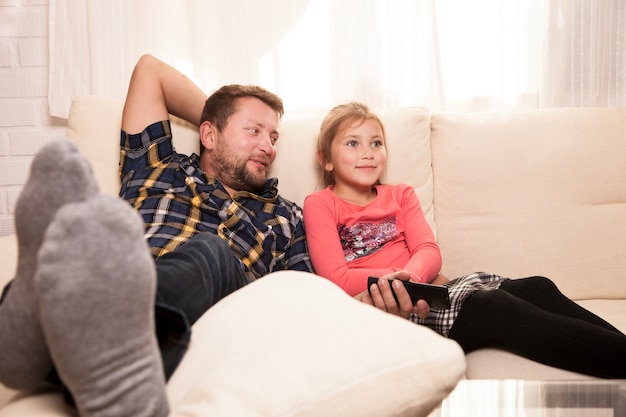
519	398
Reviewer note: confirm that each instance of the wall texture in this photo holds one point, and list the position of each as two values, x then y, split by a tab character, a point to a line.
25	124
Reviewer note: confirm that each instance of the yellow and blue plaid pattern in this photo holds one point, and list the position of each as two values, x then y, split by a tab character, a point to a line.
176	200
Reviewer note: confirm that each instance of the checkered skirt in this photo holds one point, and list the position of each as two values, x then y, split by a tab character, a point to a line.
441	320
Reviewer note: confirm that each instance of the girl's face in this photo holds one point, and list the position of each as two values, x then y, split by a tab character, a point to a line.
358	156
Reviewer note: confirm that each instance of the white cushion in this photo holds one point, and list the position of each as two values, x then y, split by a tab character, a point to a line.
293	344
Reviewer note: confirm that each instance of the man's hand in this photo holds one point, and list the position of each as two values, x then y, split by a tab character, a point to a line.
382	297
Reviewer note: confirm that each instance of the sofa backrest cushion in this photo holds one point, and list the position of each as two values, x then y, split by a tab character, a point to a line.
534	193
94	125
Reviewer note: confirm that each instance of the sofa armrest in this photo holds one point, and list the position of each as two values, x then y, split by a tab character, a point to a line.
6	394
8	249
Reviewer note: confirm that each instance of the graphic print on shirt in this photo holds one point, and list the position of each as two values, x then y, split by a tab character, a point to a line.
362	239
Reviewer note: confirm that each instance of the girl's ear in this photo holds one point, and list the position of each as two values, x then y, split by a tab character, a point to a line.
326	165
207	135
320	159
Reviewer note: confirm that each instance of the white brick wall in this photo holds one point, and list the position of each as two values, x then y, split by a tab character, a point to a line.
25	123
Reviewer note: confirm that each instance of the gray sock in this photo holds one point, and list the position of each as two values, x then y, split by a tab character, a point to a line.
58	175
96	281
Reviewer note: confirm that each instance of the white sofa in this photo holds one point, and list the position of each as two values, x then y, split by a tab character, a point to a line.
520	193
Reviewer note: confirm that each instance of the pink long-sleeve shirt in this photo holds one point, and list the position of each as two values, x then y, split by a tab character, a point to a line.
348	243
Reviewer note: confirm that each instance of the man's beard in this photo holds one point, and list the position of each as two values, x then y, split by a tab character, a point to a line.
234	172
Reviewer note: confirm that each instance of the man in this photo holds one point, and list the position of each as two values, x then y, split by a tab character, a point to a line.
82	304
199	211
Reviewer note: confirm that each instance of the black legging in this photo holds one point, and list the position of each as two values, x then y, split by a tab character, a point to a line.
532	318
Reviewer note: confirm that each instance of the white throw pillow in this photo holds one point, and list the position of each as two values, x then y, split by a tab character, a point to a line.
294	344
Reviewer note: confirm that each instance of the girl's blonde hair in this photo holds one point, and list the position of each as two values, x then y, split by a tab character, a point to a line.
339	118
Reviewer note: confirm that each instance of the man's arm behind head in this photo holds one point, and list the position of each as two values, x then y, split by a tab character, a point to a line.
156	90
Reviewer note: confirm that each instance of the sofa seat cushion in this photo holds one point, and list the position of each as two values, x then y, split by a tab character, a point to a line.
493	363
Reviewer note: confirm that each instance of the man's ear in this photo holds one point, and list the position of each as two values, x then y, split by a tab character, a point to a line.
207	135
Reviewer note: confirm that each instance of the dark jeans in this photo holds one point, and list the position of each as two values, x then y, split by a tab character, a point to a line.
190	280
532	318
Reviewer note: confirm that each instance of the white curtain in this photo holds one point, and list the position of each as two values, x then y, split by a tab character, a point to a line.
442	54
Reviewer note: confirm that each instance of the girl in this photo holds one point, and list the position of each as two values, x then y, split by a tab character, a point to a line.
356	227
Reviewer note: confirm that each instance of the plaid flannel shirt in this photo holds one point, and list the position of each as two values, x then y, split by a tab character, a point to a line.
176	200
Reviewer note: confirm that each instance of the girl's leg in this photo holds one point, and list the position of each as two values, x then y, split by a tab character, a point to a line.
543	293
499	319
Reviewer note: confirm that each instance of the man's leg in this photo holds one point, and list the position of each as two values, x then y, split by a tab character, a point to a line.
96	283
206	264
190	280
58	175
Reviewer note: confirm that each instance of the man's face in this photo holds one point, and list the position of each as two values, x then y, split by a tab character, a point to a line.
245	149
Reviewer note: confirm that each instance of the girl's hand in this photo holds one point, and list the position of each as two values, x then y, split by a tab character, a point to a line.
382	297
401	275
421	308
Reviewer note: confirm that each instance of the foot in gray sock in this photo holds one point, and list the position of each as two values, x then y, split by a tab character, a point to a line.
96	281
58	175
